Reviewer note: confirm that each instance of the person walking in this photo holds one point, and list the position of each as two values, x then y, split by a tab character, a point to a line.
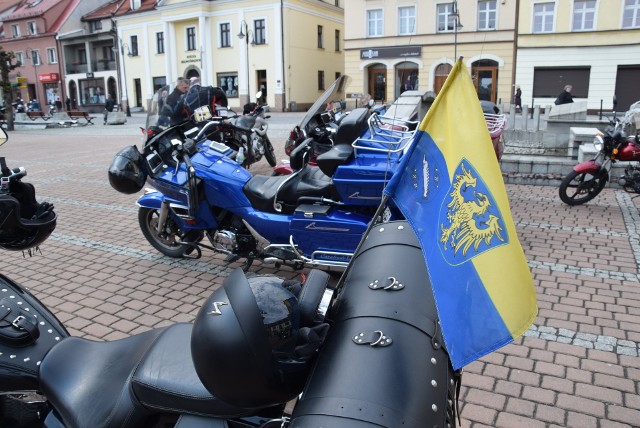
108	108
518	99
565	96
67	102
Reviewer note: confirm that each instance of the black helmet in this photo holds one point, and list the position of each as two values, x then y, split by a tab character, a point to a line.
24	223
127	173
243	343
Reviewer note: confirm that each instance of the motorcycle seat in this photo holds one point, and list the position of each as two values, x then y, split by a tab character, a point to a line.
125	382
352	126
329	161
310	181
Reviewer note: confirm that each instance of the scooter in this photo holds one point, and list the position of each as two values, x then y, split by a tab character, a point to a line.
256	345
315	216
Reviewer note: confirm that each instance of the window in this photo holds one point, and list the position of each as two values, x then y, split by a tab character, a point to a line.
320	43
134	45
631	14
260	31
225	35
321	80
337	40
487	12
95	26
338	74
548	82
191	38
406	20
446	19
543	14
20	58
92	91
374	23
159	82
35	57
584	12
52	56
82	56
229	84
32	27
15	30
160	42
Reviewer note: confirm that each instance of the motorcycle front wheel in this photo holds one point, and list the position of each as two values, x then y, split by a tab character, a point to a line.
269	152
166	242
581	187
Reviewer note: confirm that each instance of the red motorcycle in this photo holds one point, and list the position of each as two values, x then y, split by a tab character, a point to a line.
588	178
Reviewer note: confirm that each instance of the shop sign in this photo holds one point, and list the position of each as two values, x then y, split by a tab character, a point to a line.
21	82
48	77
391	52
190	58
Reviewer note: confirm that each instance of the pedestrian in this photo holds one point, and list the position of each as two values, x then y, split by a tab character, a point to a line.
108	108
518	99
173	106
68	103
565	96
58	104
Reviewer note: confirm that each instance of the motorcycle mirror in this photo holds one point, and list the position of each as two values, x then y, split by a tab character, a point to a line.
3	136
258	95
202	114
615	102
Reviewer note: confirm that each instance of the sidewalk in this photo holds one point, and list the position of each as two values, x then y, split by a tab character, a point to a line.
578	366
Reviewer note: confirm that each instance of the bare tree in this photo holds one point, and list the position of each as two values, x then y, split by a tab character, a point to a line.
7	64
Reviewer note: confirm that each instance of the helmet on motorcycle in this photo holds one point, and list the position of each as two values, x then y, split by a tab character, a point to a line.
243	342
24	223
127	173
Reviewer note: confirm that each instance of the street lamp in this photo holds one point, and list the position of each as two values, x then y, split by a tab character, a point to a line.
458	26
253	42
124	72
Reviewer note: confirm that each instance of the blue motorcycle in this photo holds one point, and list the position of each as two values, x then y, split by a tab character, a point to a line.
314	216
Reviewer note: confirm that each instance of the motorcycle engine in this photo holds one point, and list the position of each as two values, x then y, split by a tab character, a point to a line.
630	181
258	147
234	242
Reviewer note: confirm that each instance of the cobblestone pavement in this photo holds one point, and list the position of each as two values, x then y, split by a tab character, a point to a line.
578	366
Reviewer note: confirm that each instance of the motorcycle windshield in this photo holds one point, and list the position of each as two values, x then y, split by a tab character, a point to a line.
335	92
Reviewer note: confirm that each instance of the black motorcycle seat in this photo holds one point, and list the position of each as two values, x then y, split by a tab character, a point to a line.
352	126
310	181
166	379
89	383
123	383
329	161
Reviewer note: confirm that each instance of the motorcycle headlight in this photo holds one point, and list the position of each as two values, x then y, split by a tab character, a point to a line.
598	142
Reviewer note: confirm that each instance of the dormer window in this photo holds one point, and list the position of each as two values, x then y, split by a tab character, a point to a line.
135	4
95	26
32	27
33	3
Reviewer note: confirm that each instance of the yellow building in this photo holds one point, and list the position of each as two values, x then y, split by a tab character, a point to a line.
391	46
593	45
290	50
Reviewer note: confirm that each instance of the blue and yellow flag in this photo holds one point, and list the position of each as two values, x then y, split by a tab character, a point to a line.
450	188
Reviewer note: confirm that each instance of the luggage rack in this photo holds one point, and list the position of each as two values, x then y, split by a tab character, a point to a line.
495	123
390	136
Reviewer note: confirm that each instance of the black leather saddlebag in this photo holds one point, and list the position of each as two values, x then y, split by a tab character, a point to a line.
28	330
384	363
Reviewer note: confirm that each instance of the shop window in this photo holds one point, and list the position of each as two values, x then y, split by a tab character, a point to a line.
92	91
229	84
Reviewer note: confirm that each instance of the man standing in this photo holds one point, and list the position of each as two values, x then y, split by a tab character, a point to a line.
565	97
172	103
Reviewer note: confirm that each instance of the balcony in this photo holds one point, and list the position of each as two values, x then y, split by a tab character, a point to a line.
76	67
103	65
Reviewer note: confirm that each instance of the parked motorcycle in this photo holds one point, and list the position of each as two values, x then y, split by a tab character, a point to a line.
315	216
587	179
246	134
255	345
320	124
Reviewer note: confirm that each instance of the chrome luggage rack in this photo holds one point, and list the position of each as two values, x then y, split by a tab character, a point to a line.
495	123
390	136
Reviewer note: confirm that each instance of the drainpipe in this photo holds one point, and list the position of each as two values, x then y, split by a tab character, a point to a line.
516	31
284	70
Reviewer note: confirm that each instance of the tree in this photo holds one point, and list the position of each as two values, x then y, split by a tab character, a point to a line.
7	65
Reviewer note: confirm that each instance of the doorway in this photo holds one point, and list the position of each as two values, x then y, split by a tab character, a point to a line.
378	82
406	78
138	88
441	74
485	79
262	85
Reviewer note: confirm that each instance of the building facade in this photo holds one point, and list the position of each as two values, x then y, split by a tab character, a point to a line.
287	50
392	46
594	45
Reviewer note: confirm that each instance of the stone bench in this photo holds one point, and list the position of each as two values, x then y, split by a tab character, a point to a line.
578	136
